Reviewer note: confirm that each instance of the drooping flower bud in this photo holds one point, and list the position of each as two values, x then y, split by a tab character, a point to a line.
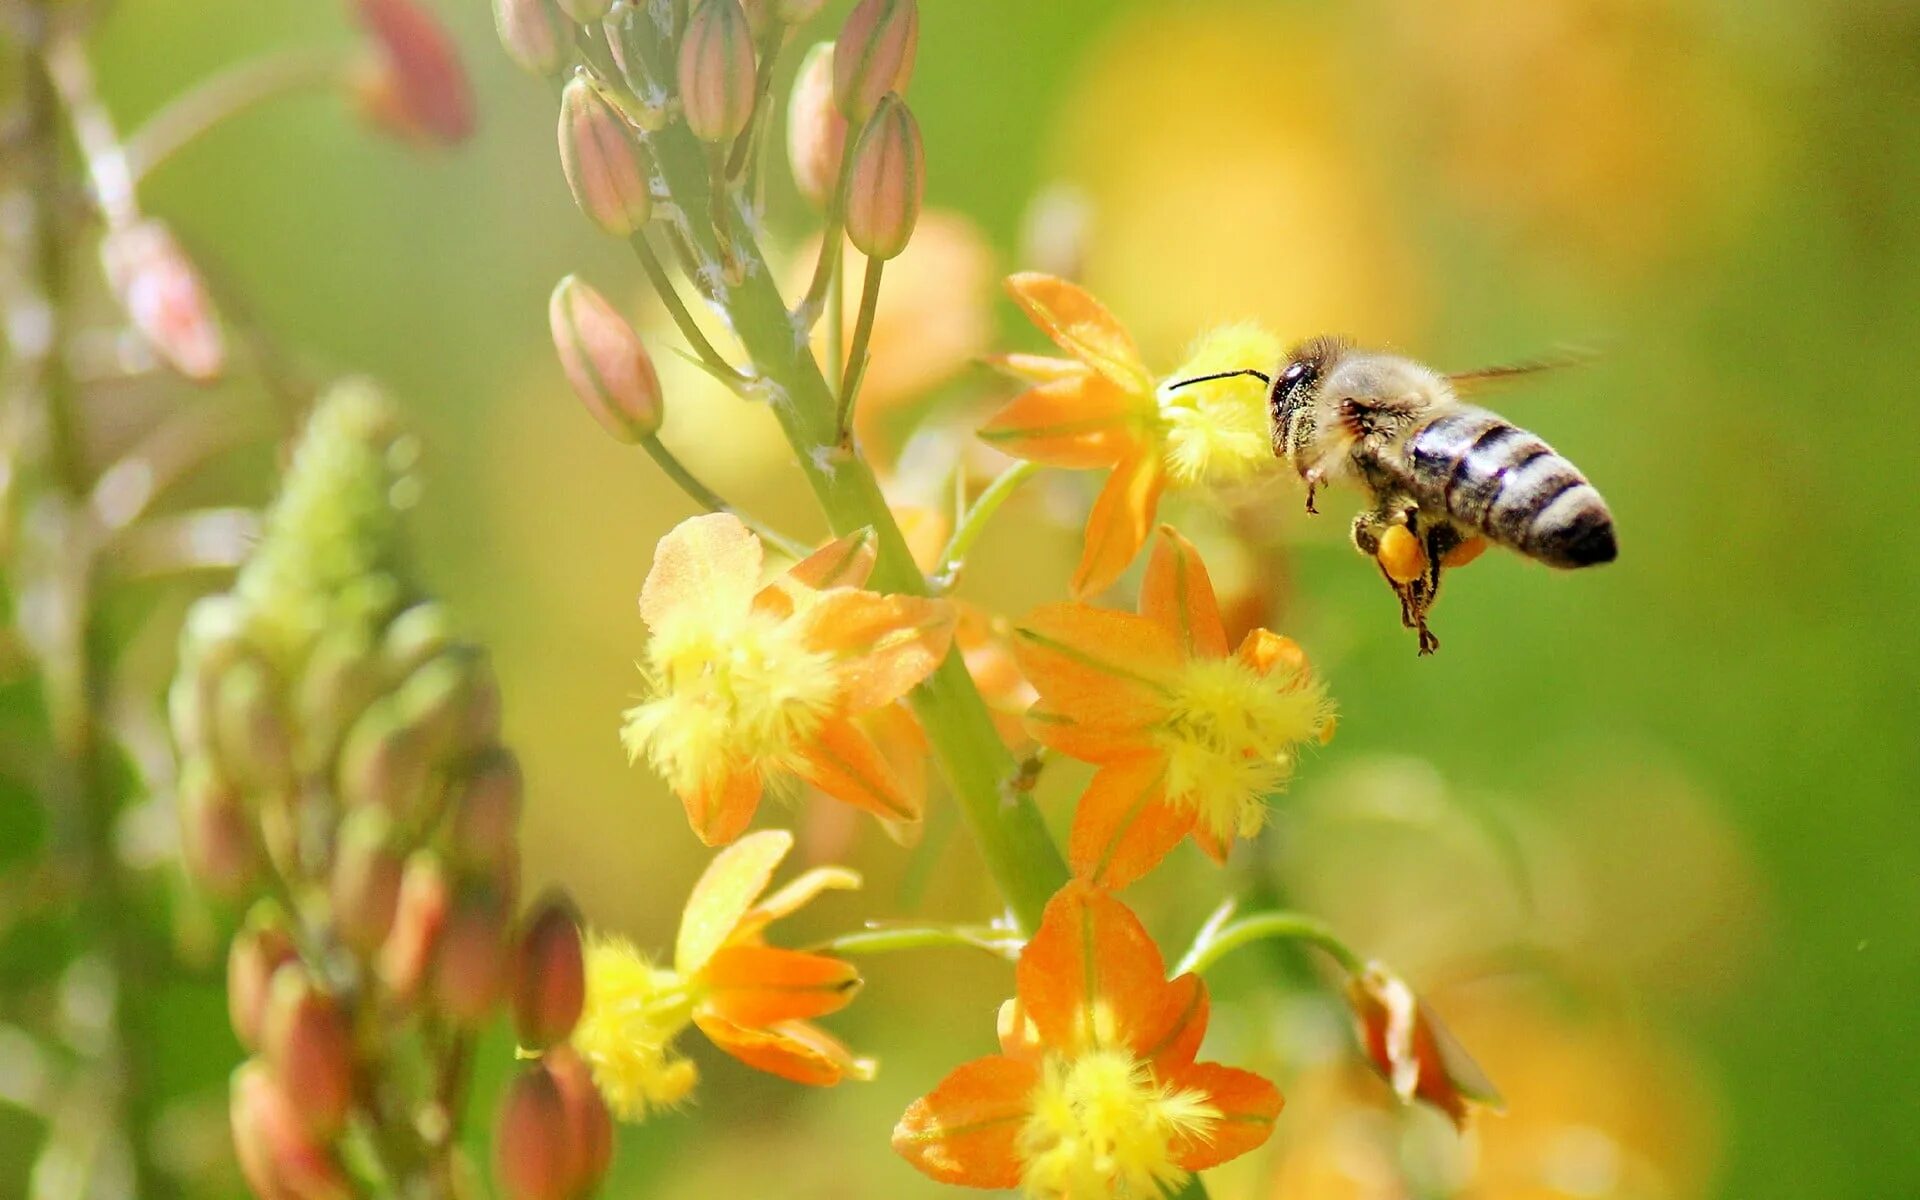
365	885
717	83
816	130
165	298
533	34
536	1155
1407	1044
255	740
605	362
485	811
417	89
606	168
307	1045
218	841
875	56
278	1155
549	973
472	958
421	915
887	181
261	948
586	11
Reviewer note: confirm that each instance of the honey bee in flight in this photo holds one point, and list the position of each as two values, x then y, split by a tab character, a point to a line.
1442	475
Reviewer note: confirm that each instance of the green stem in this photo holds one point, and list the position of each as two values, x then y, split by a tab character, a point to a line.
711	500
1260	926
234	91
970	527
885	940
857	354
836	318
715	362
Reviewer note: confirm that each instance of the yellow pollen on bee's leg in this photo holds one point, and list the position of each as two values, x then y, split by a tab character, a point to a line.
1401	555
1101	1125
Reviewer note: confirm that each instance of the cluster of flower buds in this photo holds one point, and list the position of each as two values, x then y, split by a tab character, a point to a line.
342	770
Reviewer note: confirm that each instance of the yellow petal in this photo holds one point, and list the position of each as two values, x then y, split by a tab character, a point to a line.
726	890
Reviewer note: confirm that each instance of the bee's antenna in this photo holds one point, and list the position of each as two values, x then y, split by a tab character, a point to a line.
1260	375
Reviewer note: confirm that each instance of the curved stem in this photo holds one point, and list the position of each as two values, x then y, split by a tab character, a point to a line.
971	526
856	369
1000	943
710	500
677	309
218	99
1284	925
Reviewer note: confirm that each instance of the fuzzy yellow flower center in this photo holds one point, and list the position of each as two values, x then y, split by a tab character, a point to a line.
1230	736
1103	1127
632	1014
730	691
1220	431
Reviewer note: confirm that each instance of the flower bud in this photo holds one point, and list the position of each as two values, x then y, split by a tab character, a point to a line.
888	178
417	923
277	1155
165	298
549	973
486	811
794	12
1406	1043
533	34
536	1155
875	56
605	362
417	89
219	843
606	168
365	885
717	82
451	701
385	765
213	639
471	959
309	1048
255	741
261	948
816	131
586	11
586	1113
342	677
415	636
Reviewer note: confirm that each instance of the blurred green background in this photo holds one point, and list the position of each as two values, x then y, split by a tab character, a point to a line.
1703	758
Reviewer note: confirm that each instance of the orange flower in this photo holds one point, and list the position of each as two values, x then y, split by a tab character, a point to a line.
1412	1050
749	682
1188	738
1095	1092
752	1000
1100	409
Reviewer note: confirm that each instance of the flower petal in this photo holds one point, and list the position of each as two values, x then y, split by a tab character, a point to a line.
1178	594
1082	327
792	1050
721	807
803	890
1179	1027
966	1130
763	985
1091	976
725	891
843	562
1018	1038
844	763
709	562
1122	514
887	644
1079	422
1248	1106
1096	666
1267	652
1124	826
1037	368
1088	741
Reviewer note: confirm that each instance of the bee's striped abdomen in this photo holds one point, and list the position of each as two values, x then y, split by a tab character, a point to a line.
1498	479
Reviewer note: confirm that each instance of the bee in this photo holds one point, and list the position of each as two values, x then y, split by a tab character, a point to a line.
1448	473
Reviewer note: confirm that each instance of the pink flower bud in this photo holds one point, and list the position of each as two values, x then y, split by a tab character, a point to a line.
816	132
385	765
219	842
418	920
586	1114
549	975
605	362
471	959
417	88
717	83
261	948
606	168
365	885
165	298
485	811
533	34
887	180
875	55
536	1155
309	1048
452	701
280	1159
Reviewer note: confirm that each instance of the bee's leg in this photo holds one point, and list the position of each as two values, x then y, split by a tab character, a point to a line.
1313	480
1415	594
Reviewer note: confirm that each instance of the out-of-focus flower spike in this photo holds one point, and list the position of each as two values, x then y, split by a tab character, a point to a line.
795	12
816	129
606	167
365	885
471	958
485	811
534	35
536	1153
165	298
261	948
716	71
218	840
255	740
549	973
309	1048
417	87
277	1154
887	181
425	897
605	362
875	55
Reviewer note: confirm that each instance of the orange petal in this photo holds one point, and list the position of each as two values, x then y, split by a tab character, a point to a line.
1090	975
1177	1032
1178	593
886	644
1087	741
844	763
763	985
1096	666
1213	847
967	1129
1037	368
1082	327
721	808
1080	422
726	890
1122	514
792	1050
1124	826
896	731
1248	1106
711	562
1267	652
843	562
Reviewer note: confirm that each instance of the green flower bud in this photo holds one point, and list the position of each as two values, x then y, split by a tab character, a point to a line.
717	81
387	765
875	56
219	842
549	973
365	884
888	179
343	676
605	362
254	738
534	36
416	635
606	168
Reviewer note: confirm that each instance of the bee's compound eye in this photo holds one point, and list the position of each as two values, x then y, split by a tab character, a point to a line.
1296	373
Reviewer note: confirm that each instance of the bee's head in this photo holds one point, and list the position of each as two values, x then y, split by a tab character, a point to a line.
1297	389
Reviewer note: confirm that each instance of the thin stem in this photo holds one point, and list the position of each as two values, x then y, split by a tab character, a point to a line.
857	353
677	309
970	527
711	500
1000	943
808	311
1288	926
837	318
219	98
93	131
769	53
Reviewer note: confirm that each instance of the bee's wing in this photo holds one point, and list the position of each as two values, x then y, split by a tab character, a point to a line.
1469	382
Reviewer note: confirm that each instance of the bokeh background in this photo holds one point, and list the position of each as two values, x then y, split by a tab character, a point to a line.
1648	835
